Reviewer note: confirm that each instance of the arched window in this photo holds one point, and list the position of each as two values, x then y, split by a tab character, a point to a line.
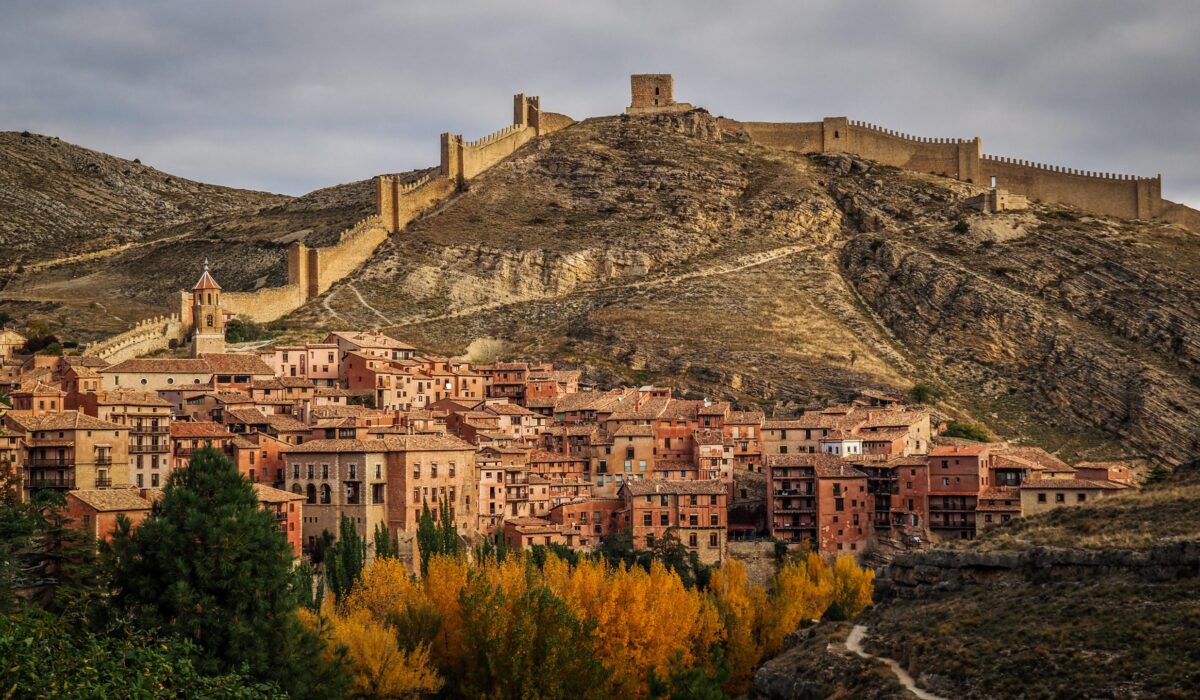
296	489
209	320
836	134
326	494
312	493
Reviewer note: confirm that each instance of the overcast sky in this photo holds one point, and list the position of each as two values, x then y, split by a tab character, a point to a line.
293	95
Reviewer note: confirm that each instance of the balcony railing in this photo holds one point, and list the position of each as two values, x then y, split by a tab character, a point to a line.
181	451
150	430
103	482
66	481
103	460
152	447
51	462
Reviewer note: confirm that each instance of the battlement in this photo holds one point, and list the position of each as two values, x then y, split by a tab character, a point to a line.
1065	170
147	335
900	135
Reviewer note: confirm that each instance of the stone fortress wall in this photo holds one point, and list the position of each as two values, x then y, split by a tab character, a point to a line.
148	335
312	271
1126	196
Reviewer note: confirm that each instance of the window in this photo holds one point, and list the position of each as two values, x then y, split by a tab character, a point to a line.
692	499
693	540
712	500
1060	498
839	504
416	495
1081	497
324	471
1041	498
295	471
662	500
310	471
433	471
647	519
664	519
311	494
713	539
378	471
326	494
783	449
416	470
714	520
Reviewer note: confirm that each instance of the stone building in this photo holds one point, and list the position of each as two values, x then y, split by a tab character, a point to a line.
654	93
695	511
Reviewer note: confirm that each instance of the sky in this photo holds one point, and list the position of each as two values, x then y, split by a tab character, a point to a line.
292	95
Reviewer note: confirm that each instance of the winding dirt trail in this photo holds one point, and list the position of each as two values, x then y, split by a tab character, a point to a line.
854	644
93	255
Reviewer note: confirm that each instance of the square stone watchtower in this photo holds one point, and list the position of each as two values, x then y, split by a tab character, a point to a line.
653	93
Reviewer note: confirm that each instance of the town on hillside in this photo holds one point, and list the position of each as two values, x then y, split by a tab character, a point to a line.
366	426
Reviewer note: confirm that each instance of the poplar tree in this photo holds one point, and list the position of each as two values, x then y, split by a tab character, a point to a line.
344	561
209	565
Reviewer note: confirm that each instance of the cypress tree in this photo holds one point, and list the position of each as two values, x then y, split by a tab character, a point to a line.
212	567
344	561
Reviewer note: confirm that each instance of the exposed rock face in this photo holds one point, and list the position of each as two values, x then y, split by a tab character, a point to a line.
911	575
984	331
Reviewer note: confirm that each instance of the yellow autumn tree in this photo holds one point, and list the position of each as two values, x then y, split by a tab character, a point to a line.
801	590
442	585
644	620
381	668
744	609
853	585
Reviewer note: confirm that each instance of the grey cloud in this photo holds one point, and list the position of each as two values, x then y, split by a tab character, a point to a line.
290	96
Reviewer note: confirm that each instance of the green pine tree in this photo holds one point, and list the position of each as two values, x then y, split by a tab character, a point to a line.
344	561
387	545
210	566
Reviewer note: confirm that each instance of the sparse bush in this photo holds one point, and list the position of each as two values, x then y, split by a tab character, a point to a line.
486	350
924	392
962	226
968	431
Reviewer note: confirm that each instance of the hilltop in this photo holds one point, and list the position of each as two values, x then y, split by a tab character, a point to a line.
1092	601
666	249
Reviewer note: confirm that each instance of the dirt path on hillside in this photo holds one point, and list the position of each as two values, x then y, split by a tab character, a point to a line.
854	644
93	255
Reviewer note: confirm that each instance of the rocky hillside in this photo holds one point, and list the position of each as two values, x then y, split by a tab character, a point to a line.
1088	602
92	243
58	199
663	249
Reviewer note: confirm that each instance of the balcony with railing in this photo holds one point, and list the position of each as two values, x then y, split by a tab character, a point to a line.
154	447
38	480
149	430
55	462
103	460
103	482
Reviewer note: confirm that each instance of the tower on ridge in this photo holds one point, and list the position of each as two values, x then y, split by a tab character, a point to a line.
653	93
208	320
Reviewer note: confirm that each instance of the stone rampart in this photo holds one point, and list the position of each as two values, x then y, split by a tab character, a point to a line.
1110	194
313	271
266	304
1127	196
146	336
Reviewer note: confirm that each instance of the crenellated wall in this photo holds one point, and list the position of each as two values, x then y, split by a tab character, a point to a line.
146	336
1102	193
313	271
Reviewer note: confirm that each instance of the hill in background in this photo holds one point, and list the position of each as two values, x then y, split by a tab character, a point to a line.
661	249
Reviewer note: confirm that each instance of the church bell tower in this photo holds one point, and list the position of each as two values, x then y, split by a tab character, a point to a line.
208	327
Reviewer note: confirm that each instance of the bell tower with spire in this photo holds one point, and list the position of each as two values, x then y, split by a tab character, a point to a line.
208	321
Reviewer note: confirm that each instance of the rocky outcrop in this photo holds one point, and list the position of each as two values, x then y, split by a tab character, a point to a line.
912	575
984	333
